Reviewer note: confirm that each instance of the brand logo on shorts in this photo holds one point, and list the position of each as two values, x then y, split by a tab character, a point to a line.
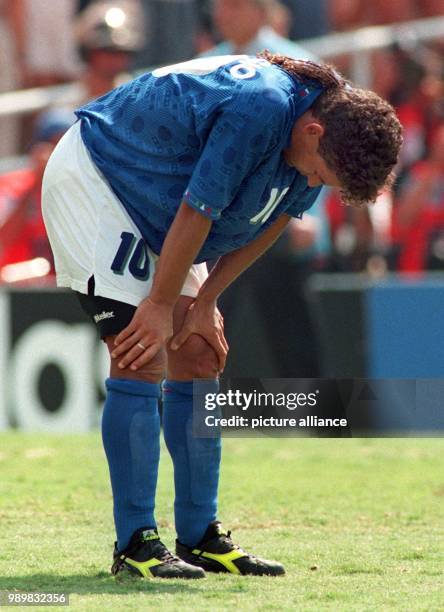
104	315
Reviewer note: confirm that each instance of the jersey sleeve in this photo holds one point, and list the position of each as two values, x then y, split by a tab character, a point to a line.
237	144
303	202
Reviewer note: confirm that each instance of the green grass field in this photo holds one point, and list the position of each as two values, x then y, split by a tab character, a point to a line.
359	525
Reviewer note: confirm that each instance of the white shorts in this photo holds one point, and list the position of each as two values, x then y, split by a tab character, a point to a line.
91	234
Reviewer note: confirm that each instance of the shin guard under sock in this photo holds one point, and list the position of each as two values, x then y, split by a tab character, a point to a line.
196	463
130	433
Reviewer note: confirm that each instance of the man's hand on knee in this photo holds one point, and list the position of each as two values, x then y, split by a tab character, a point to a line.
194	359
144	337
153	371
205	320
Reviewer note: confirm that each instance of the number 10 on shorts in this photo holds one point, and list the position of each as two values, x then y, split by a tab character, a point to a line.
132	254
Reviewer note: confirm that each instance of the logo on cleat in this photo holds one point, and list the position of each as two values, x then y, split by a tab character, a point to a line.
149	534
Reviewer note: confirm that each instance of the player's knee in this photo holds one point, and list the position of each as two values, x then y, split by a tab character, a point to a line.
153	372
195	359
147	373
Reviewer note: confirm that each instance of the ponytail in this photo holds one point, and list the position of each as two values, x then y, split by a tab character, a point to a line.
307	70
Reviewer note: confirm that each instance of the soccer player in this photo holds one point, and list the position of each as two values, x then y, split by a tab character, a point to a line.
204	160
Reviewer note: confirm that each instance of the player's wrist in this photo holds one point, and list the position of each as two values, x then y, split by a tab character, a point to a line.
206	297
160	302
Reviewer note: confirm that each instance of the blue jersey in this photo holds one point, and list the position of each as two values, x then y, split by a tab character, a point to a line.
209	132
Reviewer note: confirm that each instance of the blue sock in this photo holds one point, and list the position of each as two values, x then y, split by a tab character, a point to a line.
130	433
196	464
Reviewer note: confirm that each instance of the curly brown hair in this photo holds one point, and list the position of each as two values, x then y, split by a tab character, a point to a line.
362	134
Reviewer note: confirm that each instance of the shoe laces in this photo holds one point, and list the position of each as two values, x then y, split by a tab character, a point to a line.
227	539
162	553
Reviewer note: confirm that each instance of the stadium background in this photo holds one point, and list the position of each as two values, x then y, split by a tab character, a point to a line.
351	294
358	523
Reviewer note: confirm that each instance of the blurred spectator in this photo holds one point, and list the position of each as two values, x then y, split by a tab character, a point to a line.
44	39
22	232
309	18
9	127
387	74
279	18
397	78
351	14
171	27
380	12
346	14
204	37
108	33
431	8
414	84
244	27
419	214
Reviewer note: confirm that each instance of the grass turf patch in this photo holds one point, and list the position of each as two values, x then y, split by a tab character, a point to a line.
359	524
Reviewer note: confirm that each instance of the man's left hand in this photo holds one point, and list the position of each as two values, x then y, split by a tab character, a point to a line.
204	319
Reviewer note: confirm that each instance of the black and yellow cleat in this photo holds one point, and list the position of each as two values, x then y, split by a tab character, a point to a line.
146	557
216	552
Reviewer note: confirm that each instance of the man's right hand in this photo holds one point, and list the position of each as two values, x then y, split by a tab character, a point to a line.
150	329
